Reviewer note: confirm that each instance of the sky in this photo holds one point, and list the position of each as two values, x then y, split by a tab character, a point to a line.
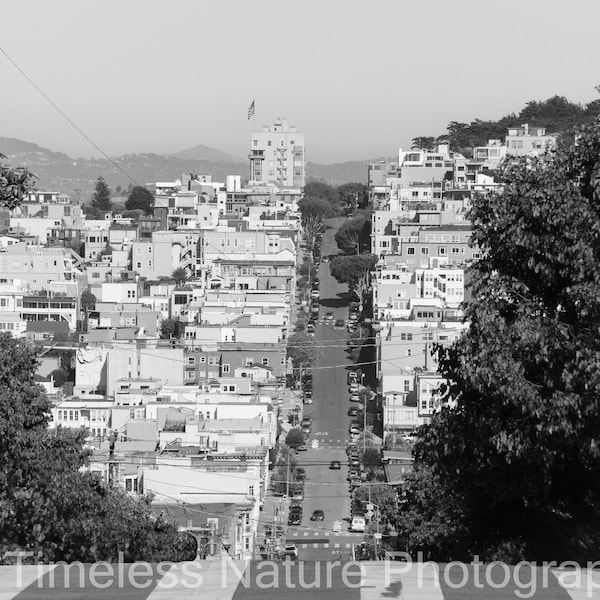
360	78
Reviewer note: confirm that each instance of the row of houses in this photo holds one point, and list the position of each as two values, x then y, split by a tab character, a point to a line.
178	379
423	238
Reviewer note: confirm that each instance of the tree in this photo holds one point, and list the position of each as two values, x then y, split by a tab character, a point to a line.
294	438
140	198
302	350
355	195
384	500
14	184
351	269
48	505
170	328
311	206
313	225
371	457
320	189
423	143
88	301
101	202
519	447
180	276
353	233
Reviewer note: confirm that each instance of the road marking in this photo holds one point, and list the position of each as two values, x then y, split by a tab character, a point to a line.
336	545
325	545
315	545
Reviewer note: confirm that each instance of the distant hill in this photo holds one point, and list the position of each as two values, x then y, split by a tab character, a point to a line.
58	172
207	153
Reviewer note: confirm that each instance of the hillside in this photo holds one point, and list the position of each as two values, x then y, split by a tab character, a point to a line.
58	172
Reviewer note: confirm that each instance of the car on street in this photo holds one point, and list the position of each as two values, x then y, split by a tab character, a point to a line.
354	464
335	464
318	515
290	550
325	259
301	448
315	294
354	430
298	494
329	316
351	448
310	329
301	473
307	400
352	377
353	411
354	398
306	420
295	519
353	387
306	430
358	524
339	323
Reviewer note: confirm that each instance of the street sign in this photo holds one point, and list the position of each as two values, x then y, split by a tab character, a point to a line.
369	513
377	536
370	506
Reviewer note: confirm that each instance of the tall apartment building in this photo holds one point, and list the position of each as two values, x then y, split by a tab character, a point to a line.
277	155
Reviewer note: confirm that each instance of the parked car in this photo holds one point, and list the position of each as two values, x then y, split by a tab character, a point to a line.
329	316
358	524
307	400
353	387
307	420
302	447
310	328
295	519
290	550
318	515
339	323
335	464
315	294
306	430
353	411
354	398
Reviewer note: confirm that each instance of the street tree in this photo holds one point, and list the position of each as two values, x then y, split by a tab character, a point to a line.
302	350
320	189
140	198
384	500
294	438
354	195
353	233
88	301
316	207
313	225
519	444
351	269
100	202
15	183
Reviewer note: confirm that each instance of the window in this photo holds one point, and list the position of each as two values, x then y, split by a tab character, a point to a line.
250	491
249	361
425	251
410	250
406	386
225	368
131	293
265	362
191	360
441	250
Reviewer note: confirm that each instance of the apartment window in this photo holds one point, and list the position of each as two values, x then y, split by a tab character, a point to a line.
410	250
455	250
406	386
425	251
250	491
249	361
441	250
131	293
191	360
265	362
415	194
225	368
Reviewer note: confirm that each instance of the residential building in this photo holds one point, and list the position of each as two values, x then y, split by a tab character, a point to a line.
277	154
527	141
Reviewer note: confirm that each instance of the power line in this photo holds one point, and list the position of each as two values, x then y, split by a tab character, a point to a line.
78	129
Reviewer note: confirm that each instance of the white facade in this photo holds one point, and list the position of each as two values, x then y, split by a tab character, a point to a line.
277	154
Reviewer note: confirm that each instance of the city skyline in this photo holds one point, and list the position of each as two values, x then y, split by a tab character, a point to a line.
359	80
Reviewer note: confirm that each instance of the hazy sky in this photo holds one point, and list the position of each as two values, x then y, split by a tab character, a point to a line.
361	78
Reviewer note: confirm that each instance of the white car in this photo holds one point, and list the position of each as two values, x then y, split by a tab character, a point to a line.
353	388
291	550
358	524
315	294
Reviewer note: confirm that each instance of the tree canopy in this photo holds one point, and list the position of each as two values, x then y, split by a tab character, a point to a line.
50	507
302	350
520	448
354	233
14	184
350	269
141	199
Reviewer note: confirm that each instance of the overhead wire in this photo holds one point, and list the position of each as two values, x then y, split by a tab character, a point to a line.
66	117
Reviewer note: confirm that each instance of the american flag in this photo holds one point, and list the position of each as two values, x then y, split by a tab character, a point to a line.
251	109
